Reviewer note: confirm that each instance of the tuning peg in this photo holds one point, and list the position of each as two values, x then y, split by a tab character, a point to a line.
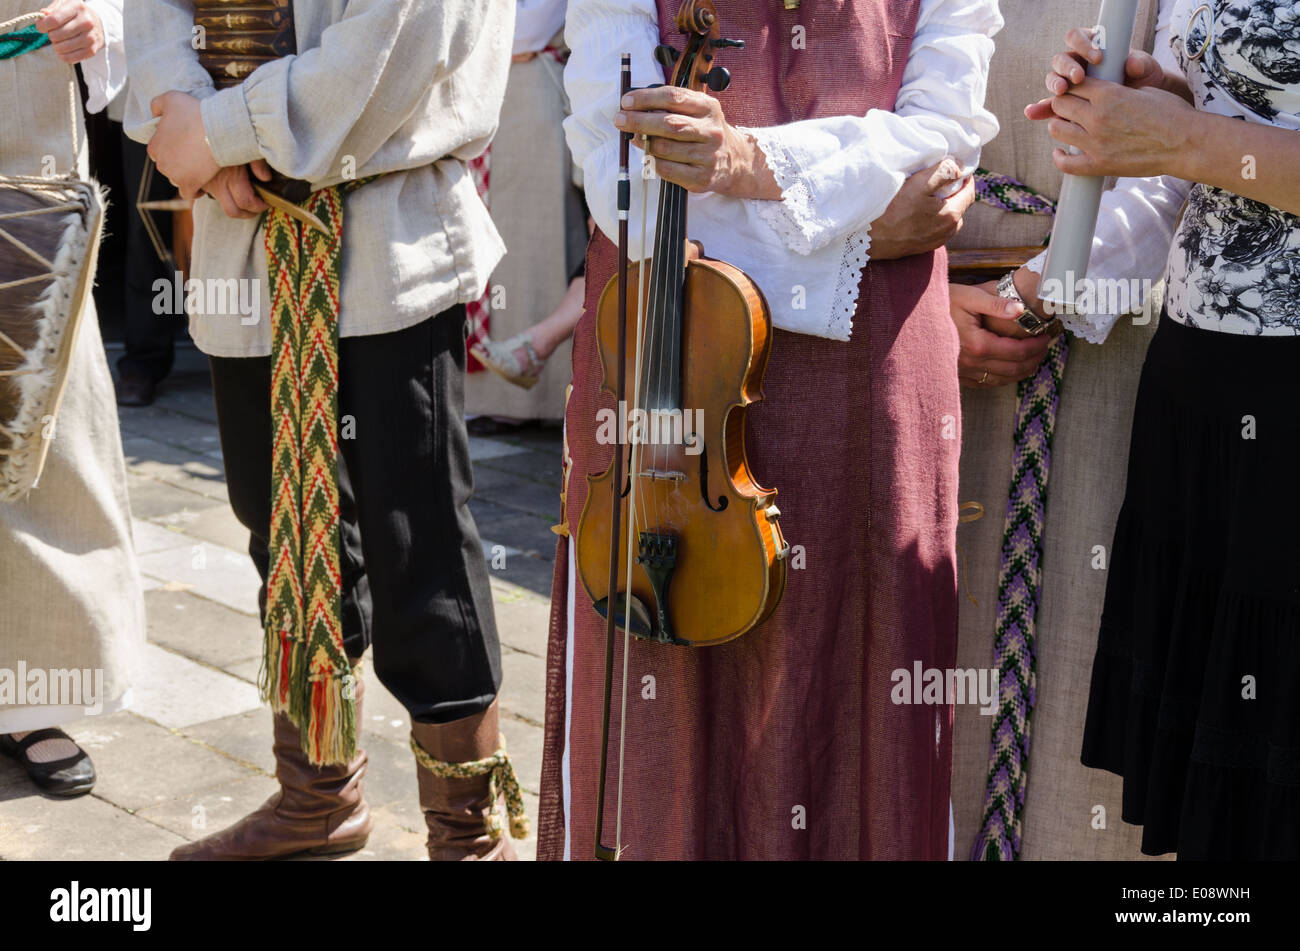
718	78
728	44
666	56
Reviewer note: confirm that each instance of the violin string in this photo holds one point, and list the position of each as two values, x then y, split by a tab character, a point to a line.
672	208
657	269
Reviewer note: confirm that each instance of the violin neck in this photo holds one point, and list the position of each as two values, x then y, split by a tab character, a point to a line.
661	364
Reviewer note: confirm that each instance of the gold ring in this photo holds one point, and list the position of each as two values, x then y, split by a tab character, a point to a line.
984	378
1209	31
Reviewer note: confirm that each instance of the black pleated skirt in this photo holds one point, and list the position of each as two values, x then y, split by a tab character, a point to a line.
1195	693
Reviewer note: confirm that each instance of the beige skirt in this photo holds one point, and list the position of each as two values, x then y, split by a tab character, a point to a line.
70	595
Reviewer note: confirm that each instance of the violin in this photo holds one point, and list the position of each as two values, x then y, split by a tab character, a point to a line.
678	543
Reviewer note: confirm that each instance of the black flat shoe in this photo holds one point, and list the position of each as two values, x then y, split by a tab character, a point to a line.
135	390
70	776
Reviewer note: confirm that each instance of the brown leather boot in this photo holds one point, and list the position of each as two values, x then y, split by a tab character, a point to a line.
457	811
318	810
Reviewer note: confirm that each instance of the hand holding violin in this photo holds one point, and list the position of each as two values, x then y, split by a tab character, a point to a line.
694	145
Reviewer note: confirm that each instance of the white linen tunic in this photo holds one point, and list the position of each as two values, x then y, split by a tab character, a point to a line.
406	89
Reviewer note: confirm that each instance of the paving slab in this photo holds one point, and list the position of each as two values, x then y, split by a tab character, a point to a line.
193	814
150	537
200	629
154	500
194	752
35	827
139	764
529	572
177	692
218	574
178	429
544	436
539	466
243	737
216	525
526	533
174	465
516	493
523	686
482	448
523	615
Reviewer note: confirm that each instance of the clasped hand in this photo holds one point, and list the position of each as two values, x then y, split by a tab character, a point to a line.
179	148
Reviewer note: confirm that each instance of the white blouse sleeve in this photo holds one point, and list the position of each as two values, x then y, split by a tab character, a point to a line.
838	174
1135	229
536	21
105	72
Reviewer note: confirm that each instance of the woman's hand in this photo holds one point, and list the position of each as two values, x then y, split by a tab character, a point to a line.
693	144
918	220
1135	133
1135	129
1140	69
989	355
75	32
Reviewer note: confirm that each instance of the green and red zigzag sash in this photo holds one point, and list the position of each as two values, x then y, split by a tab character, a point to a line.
305	669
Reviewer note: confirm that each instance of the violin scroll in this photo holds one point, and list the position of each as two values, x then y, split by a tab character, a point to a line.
694	69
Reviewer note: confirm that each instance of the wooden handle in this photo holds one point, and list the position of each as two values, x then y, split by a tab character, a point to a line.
999	260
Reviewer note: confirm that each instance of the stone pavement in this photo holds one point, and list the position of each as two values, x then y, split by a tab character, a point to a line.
192	753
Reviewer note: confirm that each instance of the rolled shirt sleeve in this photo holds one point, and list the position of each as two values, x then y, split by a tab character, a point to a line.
346	97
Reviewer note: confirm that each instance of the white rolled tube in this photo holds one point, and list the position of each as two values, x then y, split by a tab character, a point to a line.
1076	212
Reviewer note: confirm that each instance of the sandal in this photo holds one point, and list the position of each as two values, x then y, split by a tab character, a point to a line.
505	361
70	776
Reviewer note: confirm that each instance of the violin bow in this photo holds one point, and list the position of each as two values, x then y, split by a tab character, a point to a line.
604	852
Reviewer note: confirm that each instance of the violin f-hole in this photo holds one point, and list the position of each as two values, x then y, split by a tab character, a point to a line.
723	501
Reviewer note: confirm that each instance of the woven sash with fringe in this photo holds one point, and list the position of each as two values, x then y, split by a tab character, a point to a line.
305	669
1020	572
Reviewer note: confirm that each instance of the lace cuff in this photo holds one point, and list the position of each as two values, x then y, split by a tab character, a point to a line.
796	222
849	284
793	218
1093	328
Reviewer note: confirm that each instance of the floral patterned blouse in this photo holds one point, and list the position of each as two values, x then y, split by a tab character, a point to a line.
1235	262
